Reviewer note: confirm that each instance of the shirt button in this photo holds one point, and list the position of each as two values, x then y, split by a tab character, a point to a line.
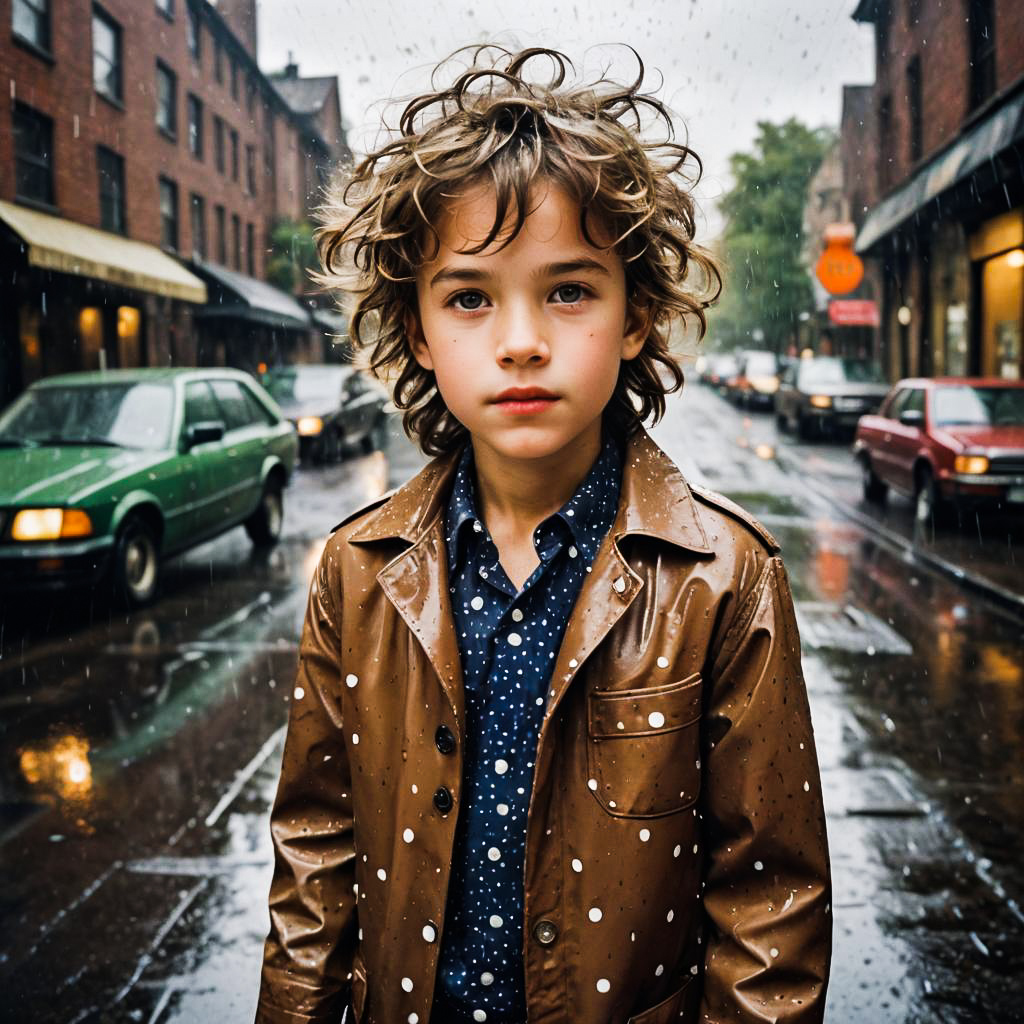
445	739
545	932
443	800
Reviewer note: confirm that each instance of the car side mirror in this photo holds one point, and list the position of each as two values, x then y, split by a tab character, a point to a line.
912	418
204	432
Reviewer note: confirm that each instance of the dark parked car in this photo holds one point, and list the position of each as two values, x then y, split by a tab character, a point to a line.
948	439
335	409
756	380
826	393
103	474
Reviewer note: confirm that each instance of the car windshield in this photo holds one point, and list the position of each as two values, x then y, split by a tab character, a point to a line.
967	406
833	370
306	385
761	364
130	415
726	365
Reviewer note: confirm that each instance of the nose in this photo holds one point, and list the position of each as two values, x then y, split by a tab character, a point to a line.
522	338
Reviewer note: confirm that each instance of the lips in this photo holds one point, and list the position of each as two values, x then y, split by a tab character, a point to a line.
526	395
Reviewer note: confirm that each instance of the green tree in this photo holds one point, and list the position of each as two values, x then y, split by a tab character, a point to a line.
292	253
766	285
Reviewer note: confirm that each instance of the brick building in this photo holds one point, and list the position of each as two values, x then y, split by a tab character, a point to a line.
933	167
144	158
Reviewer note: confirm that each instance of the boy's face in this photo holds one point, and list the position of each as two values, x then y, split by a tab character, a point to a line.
548	311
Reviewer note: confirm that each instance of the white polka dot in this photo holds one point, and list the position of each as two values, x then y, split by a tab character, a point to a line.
655	719
645	834
495	921
429	933
758	866
502	809
620	725
299	693
678	850
592	785
407	984
807	787
595	914
351	680
659	970
570	512
573	663
517	615
603	985
477	603
611	803
577	865
774	952
415	789
479	1015
501	766
573	552
382	874
487	978
408	835
494	853
355	739
414	1018
670	915
514	639
477	528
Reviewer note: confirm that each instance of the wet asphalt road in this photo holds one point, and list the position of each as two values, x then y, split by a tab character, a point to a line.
138	754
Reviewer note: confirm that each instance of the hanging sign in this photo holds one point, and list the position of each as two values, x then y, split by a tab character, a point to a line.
839	269
853	313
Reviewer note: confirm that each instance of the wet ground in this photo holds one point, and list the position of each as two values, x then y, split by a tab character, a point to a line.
138	754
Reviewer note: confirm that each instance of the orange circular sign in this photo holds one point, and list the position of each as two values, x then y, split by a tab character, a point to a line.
839	269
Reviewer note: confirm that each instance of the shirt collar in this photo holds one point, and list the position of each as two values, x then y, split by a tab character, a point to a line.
587	515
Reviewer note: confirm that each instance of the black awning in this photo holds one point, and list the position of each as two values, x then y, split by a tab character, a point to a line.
237	296
1003	127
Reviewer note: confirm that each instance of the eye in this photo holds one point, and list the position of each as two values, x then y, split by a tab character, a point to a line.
569	294
468	302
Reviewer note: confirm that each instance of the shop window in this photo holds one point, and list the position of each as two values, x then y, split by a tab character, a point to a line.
982	28
222	234
33	155
107	71
168	214
90	339
198	208
128	336
1002	300
29	331
166	99
195	126
193	32
110	171
30	22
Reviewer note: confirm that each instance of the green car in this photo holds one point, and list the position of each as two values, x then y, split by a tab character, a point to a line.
103	474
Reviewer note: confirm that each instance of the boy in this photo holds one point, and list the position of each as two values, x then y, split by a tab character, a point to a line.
549	756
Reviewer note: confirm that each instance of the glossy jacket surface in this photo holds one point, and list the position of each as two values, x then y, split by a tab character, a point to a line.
676	786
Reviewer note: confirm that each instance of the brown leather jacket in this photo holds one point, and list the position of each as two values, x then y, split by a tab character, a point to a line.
676	783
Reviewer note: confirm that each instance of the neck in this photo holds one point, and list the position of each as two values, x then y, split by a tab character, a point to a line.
516	495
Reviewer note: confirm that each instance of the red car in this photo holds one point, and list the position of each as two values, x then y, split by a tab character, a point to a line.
955	440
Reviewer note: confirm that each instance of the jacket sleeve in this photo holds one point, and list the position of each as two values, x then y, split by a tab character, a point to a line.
767	896
309	952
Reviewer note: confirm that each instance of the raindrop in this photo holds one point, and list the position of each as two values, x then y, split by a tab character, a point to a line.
595	914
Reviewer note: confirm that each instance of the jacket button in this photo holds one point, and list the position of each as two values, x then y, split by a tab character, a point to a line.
545	932
445	739
443	800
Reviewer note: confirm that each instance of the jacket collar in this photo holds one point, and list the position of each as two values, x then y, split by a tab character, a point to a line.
655	501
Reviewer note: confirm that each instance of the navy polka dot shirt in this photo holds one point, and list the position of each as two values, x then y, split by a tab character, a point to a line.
508	642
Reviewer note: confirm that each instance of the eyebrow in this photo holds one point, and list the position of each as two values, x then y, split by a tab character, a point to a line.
472	275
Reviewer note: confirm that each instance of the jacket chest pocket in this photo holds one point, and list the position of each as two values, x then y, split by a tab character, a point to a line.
643	748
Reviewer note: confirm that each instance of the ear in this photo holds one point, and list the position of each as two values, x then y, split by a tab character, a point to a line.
417	340
639	320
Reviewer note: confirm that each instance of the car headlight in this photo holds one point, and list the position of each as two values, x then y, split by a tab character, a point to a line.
971	464
821	401
308	426
51	524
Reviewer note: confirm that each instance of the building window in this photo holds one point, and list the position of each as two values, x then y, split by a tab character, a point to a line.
166	8
234	155
198	208
250	94
110	169
166	99
193	33
218	61
195	126
33	155
30	22
168	214
234	79
236	239
250	250
983	50
914	109
222	234
106	56
219	152
884	141
250	169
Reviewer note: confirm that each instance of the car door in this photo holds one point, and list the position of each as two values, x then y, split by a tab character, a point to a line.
245	442
205	463
905	441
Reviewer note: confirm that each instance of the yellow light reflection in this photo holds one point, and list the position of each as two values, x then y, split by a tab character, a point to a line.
60	766
765	451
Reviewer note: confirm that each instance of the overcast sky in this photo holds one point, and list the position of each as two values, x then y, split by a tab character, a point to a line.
726	64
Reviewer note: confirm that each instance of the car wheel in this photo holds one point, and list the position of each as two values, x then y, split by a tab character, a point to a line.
804	426
874	489
927	500
135	572
265	524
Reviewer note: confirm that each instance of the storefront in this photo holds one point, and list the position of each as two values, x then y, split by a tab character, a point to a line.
997	257
76	298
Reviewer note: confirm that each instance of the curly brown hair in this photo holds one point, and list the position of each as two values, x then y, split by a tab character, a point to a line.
493	126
